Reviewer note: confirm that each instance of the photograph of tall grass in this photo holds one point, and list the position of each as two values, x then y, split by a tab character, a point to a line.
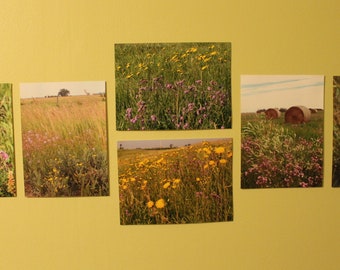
175	181
7	168
282	123
64	139
336	132
173	86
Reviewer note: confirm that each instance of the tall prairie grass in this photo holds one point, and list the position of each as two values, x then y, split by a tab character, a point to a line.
190	184
173	86
7	175
65	146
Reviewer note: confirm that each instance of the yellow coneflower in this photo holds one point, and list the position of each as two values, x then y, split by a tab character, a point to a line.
149	204
223	161
219	150
160	204
166	185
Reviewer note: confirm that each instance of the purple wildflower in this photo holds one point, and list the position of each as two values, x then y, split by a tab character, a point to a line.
4	155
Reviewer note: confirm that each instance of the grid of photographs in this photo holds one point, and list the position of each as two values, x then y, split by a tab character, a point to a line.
169	87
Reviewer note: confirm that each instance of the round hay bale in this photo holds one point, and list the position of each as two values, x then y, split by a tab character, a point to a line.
272	113
297	115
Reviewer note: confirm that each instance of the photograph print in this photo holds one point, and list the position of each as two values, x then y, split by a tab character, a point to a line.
175	181
282	120
64	139
7	175
173	86
336	132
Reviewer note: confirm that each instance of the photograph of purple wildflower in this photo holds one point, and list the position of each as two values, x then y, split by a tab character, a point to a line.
336	132
282	119
7	175
64	139
175	181
173	86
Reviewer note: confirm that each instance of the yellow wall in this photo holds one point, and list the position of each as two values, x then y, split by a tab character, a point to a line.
72	40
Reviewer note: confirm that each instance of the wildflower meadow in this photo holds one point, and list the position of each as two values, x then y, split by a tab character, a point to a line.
191	183
65	146
7	176
336	131
173	86
277	155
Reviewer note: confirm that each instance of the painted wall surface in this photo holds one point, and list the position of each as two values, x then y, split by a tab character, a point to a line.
49	40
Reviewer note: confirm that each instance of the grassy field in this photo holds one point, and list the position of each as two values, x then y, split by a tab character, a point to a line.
189	184
65	146
173	86
278	154
7	176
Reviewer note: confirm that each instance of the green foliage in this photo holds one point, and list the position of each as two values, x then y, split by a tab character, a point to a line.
336	132
7	181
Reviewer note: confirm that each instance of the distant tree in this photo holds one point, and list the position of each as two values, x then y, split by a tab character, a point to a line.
63	92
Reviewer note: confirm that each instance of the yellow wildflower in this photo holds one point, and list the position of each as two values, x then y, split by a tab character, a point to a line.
230	154
207	150
150	204
223	161
204	67
177	181
212	163
160	203
219	150
166	185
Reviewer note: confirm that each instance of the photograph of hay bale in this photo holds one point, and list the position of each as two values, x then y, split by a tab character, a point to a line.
282	120
336	132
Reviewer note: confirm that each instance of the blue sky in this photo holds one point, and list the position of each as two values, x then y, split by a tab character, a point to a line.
42	89
281	91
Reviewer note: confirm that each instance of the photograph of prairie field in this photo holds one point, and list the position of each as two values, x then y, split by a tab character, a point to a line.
64	139
336	131
175	181
282	119
7	176
173	86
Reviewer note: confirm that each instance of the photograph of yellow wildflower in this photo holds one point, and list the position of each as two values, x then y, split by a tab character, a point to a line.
64	139
7	176
175	181
173	86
